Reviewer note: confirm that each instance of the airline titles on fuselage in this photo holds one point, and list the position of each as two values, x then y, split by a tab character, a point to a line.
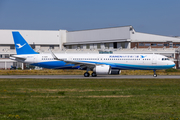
127	56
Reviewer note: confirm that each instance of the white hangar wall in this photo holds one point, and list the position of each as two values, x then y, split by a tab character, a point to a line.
144	37
98	35
31	36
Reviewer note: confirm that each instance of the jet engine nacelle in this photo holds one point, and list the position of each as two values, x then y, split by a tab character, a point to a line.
102	69
106	69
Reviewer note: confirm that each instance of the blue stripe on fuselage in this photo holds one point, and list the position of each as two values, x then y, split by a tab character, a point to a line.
54	65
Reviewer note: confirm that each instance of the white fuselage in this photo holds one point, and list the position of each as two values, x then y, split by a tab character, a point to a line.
120	61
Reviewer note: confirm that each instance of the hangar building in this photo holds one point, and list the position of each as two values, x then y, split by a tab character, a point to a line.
118	39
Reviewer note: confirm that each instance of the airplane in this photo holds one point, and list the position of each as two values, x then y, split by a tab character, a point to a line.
97	63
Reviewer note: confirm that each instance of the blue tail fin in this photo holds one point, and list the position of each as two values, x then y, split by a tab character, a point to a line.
22	47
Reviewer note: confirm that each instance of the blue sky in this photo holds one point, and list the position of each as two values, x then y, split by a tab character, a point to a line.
149	16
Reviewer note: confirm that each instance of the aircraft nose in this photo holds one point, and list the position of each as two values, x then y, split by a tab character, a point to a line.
173	64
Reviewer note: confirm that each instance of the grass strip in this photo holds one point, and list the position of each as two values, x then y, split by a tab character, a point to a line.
89	99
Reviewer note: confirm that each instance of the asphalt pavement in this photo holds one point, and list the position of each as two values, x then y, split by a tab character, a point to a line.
98	77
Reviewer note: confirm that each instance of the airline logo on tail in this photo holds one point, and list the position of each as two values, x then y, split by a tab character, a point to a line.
20	46
143	56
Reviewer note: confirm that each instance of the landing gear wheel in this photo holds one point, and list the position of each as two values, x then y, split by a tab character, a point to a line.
86	74
93	74
155	75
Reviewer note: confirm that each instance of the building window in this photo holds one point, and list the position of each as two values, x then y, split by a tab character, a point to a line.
51	46
12	46
153	44
147	44
98	46
87	46
6	55
78	46
123	45
70	46
81	46
165	44
177	45
160	44
141	44
106	45
171	45
115	44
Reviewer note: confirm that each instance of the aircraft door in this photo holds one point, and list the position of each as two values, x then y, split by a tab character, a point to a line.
70	58
31	59
154	60
35	58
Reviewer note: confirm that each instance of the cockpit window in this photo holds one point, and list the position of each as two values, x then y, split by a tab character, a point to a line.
165	58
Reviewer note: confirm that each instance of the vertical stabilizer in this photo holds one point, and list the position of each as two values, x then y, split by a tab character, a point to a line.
22	47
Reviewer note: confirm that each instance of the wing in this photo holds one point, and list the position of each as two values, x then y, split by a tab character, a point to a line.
76	63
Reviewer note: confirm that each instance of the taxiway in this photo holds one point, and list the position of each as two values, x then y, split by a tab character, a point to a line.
98	77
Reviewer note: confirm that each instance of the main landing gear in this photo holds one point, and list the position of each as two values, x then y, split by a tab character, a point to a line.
155	75
94	74
86	74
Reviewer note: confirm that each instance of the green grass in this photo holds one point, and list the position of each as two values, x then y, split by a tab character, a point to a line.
89	99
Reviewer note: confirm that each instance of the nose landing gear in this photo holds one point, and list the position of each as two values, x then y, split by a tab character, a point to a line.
155	75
